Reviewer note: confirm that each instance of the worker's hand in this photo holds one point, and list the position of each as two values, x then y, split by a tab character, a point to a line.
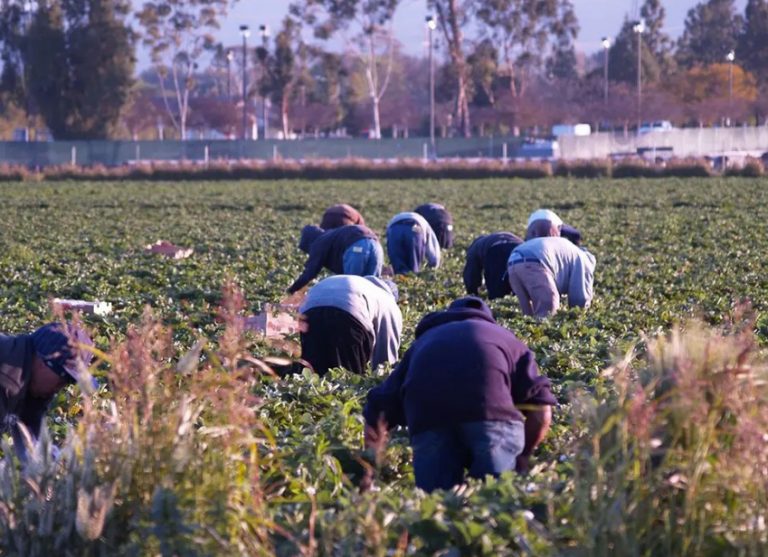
523	464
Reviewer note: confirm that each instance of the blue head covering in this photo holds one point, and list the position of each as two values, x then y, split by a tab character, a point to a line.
309	234
56	345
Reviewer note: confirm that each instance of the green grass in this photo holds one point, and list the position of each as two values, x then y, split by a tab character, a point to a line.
667	251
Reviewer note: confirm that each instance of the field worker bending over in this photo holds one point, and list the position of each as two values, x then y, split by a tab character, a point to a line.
469	392
348	321
348	250
487	260
440	220
341	215
542	269
33	368
410	240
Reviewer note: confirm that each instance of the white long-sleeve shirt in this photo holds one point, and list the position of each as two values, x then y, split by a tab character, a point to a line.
572	267
432	251
367	299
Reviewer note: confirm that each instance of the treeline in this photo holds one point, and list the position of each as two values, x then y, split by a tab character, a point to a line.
501	66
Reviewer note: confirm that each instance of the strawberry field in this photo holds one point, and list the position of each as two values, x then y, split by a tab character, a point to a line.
191	446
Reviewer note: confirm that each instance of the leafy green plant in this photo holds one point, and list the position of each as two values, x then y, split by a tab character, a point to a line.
192	447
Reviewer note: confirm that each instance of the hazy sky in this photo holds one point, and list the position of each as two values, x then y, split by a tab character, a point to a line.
598	18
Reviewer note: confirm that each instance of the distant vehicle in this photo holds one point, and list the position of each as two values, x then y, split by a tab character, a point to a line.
657	126
538	149
579	130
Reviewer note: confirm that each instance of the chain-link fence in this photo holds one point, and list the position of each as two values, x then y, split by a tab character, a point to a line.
114	153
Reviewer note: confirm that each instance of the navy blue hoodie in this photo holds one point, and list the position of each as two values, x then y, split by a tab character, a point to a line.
440	220
571	233
462	367
326	249
487	258
16	404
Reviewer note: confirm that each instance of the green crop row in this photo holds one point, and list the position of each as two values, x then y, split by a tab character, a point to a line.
191	447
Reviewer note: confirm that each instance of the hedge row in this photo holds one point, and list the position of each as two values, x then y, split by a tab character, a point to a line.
355	169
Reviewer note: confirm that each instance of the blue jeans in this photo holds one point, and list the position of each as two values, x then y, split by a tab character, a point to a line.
440	456
364	257
406	246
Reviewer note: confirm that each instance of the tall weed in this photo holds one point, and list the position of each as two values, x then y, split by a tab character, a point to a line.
676	463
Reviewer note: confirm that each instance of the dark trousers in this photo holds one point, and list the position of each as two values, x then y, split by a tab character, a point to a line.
495	270
406	246
335	339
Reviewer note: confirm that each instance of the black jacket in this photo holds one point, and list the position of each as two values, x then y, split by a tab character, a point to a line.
440	220
571	233
489	253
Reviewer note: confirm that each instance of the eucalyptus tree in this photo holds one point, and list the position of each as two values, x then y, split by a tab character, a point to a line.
366	28
178	33
528	33
453	16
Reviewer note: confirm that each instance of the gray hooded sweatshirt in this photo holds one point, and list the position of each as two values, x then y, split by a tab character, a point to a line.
370	301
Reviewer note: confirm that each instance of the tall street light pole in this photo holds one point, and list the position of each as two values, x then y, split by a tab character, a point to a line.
731	57
30	7
431	25
264	30
639	28
230	57
606	47
245	32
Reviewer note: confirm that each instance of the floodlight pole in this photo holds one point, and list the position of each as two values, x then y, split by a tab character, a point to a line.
245	32
731	57
431	25
230	57
606	48
639	28
264	30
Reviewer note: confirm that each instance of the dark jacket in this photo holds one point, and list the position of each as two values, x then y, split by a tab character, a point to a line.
462	367
440	220
481	258
16	404
341	215
571	233
327	250
543	228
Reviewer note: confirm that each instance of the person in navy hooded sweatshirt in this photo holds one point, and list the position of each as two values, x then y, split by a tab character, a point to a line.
471	395
440	220
486	262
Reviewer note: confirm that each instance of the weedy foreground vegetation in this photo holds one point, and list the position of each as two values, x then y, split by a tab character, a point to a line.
191	446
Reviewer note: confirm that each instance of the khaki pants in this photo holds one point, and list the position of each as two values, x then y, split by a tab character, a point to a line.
535	289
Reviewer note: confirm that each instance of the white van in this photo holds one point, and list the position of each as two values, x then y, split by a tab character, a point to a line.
657	126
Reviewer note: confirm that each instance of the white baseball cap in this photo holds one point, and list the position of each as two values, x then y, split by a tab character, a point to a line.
545	214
